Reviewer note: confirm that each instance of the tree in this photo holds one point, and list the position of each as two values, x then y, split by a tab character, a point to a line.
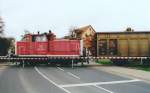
6	43
1	26
72	32
11	42
129	29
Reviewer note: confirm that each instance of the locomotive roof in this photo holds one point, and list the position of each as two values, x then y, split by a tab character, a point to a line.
39	34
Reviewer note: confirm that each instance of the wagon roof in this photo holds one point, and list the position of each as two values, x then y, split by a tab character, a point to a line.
120	32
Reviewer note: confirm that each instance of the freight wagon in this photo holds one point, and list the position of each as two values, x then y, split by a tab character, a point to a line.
122	46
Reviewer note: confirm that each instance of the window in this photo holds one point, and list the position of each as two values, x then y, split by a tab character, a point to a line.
39	38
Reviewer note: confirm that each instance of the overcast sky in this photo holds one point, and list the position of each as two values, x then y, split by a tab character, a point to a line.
60	15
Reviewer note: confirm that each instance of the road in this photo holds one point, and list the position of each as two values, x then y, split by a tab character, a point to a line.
67	80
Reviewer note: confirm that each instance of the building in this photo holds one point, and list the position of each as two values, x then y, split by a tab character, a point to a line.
86	33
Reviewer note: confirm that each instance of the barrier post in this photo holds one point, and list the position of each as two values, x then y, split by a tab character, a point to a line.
72	63
23	64
141	61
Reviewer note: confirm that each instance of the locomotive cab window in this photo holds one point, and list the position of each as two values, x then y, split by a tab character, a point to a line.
39	38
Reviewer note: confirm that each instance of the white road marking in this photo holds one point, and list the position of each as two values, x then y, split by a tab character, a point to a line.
104	89
69	73
100	83
51	80
73	75
60	68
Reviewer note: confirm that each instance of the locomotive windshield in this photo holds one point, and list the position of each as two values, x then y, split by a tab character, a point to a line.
39	38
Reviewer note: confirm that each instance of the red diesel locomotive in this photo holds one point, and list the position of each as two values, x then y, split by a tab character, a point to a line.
46	48
46	44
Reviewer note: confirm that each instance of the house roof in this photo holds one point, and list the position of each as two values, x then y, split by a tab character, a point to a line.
83	29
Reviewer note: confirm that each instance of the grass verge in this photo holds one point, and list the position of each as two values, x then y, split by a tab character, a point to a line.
104	62
142	68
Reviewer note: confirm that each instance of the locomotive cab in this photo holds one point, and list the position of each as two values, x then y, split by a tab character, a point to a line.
44	37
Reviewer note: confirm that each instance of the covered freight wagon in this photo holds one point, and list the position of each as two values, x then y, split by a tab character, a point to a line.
123	44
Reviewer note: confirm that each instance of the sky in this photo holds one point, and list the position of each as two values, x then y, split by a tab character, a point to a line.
61	15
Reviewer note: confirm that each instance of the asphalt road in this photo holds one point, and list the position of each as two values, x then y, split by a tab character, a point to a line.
67	80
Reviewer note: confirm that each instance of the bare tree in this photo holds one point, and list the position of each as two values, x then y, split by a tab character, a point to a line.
26	31
1	26
129	29
72	32
7	43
